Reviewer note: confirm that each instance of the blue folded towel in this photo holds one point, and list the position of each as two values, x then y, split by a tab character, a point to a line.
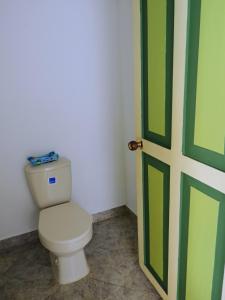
43	159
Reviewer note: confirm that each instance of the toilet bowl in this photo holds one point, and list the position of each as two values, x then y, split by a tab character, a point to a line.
64	227
65	230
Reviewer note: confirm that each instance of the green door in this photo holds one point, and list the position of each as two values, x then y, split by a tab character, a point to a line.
202	221
180	116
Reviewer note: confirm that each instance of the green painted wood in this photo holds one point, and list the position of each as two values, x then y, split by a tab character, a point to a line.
201	245
157	17
155	188
204	122
210	90
156	66
202	241
156	177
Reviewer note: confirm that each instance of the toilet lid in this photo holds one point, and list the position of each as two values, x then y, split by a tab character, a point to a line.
64	222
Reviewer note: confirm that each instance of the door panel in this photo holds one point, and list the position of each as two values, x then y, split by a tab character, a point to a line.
157	56
202	241
196	208
205	88
156	217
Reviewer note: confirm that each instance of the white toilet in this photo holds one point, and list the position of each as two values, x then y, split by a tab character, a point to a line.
64	227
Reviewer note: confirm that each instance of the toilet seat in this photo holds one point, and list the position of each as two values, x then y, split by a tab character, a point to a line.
64	228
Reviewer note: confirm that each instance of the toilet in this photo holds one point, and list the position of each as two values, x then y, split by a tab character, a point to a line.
64	227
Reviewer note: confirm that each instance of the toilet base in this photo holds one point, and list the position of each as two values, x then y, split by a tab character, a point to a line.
68	269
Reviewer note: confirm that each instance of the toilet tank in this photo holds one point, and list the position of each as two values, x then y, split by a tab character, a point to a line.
51	183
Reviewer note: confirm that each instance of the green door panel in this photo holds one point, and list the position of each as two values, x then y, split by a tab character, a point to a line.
156	217
201	245
157	61
156	65
155	188
210	89
202	241
205	88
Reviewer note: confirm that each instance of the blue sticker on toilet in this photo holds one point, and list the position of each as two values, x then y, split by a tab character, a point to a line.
51	180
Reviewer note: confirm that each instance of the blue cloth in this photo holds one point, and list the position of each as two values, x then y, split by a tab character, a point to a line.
43	159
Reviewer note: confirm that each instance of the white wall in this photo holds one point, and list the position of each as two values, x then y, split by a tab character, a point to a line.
127	94
60	90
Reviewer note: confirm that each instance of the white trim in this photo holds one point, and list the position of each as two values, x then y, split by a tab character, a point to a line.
157	151
154	282
180	28
137	65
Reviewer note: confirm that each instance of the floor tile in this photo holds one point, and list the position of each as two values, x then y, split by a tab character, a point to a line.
25	271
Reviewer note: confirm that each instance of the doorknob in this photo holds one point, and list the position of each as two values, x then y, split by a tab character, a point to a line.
134	145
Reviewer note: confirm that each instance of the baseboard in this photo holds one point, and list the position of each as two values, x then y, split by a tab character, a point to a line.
111	213
31	237
19	240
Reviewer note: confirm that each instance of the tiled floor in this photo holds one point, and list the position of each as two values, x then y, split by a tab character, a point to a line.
25	272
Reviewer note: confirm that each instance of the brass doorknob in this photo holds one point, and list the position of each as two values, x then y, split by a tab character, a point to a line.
134	145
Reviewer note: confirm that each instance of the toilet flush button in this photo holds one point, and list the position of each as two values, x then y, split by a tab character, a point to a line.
52	180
